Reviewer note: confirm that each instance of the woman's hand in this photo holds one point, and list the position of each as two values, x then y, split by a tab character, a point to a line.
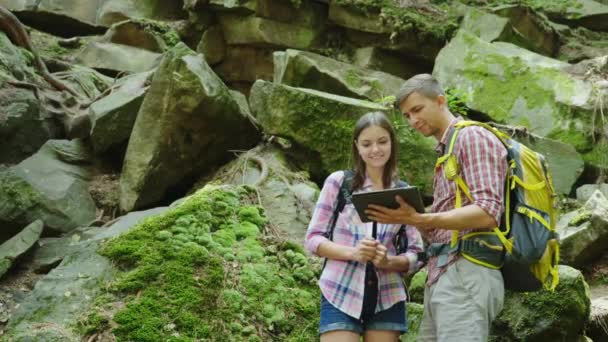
365	250
380	260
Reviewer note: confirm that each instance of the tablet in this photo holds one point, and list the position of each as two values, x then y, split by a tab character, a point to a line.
386	198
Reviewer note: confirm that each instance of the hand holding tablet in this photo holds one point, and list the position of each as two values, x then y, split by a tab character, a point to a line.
386	198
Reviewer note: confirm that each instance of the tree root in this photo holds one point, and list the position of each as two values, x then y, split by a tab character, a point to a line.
16	33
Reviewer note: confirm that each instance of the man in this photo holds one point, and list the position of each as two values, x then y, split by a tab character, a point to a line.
461	297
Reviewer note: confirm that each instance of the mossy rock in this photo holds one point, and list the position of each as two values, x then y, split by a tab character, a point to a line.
545	315
512	85
321	125
204	270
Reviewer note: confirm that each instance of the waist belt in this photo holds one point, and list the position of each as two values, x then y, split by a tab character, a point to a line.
470	248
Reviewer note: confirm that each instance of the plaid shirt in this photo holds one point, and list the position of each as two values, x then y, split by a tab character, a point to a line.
483	166
342	282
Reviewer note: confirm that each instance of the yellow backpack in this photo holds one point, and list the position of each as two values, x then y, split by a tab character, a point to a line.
525	246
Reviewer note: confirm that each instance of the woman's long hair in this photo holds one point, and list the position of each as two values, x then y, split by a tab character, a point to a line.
374	119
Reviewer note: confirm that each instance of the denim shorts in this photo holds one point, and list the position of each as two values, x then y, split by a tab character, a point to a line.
332	319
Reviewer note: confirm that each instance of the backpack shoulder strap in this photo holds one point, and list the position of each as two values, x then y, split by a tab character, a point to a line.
344	196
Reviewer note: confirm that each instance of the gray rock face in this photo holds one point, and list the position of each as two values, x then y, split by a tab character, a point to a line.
376	58
252	30
320	124
113	11
584	193
564	163
288	196
243	63
513	85
51	186
545	316
64	296
114	115
187	135
118	57
584	233
309	70
598	320
19	244
23	126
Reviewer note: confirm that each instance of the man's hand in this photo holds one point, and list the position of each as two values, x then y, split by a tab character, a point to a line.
405	214
365	250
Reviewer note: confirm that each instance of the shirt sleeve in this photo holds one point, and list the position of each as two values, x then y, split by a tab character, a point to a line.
324	209
483	161
414	246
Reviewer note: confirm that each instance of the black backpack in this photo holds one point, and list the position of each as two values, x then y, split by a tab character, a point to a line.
370	295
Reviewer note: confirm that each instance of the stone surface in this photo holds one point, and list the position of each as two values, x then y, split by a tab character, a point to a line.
51	186
252	30
114	115
320	125
169	146
288	196
18	245
544	315
513	85
118	57
584	233
309	70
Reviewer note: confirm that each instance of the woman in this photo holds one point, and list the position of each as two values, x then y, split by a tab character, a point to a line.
352	250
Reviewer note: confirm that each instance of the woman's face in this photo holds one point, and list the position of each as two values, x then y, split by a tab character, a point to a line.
374	146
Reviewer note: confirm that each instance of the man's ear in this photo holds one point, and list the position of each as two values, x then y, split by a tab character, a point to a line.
441	100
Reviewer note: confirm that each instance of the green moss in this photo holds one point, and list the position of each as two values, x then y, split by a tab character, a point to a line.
435	22
17	195
208	279
582	216
168	34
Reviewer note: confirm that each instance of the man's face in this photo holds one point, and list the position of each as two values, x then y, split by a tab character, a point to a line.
423	113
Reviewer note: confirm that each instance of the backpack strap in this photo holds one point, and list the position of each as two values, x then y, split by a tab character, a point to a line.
451	171
344	196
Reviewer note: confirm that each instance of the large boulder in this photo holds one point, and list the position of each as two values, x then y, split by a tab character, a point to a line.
253	30
564	163
19	245
309	70
288	196
404	28
514	85
597	327
23	126
587	13
179	130
243	63
61	17
584	232
114	115
51	186
50	251
320	124
584	192
376	58
544	315
118	57
516	24
186	272
113	11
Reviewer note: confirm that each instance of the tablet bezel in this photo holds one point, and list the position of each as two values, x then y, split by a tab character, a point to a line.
386	198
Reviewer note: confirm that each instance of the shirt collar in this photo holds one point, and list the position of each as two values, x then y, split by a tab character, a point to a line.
440	147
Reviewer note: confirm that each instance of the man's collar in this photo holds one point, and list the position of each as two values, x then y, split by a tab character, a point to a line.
439	148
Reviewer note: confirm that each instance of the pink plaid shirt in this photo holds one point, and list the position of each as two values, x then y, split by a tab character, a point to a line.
483	166
342	282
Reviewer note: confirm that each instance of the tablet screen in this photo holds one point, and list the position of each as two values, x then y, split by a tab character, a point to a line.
386	198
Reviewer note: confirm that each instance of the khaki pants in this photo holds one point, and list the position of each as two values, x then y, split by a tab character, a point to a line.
461	305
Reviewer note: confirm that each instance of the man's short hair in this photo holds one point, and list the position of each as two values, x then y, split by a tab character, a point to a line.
425	84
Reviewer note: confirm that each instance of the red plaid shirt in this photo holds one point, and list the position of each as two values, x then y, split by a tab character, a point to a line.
483	166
